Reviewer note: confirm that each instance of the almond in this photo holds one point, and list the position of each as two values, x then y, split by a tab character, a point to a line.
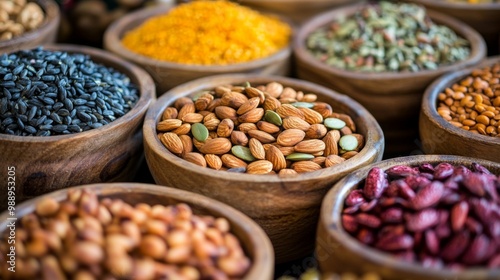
287	110
251	104
349	155
290	137
286	150
196	158
288	92
268	127
275	156
323	108
348	121
253	92
180	102
212	125
252	116
305	166
345	130
187	143
210	116
287	100
331	144
286	172
271	103
274	89
310	97
262	136
310	146
172	142
203	100
245	127
311	116
192	118
186	109
221	90
231	161
197	144
183	129
225	128
169	113
233	99
168	125
316	131
225	112
332	160
256	148
214	104
260	167
295	122
213	161
300	95
239	138
361	140
319	160
216	146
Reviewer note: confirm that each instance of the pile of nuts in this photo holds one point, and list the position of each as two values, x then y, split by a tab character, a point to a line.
439	216
314	274
473	103
84	238
267	129
18	17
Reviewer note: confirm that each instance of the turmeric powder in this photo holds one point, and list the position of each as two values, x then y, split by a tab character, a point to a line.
209	33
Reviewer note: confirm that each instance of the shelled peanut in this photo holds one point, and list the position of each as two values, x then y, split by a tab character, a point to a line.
266	129
18	17
84	238
473	103
437	215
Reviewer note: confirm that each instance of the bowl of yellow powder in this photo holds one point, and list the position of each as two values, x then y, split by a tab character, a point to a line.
201	38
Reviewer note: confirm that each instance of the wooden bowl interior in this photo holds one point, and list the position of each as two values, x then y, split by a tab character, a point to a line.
365	124
374	260
478	48
252	238
46	33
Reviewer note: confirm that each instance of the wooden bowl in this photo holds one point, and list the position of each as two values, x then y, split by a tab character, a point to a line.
252	238
338	251
297	10
482	17
168	74
287	208
393	98
44	34
109	153
440	137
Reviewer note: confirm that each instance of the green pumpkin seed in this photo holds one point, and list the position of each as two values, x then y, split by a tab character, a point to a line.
246	84
273	118
303	105
348	143
299	156
199	131
242	152
334	123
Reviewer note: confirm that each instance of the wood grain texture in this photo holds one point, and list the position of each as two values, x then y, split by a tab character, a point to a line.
440	137
297	10
168	74
485	18
337	251
393	98
287	208
45	34
109	153
253	239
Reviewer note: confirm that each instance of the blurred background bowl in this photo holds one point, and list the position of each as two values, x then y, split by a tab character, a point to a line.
438	136
109	153
483	17
252	238
44	34
337	251
287	208
168	74
393	98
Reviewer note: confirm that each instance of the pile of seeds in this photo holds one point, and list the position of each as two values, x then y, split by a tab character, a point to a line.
314	274
47	93
474	1
84	238
18	17
387	37
266	129
473	103
439	216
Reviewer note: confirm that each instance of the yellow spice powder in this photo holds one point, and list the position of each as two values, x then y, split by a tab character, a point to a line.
209	33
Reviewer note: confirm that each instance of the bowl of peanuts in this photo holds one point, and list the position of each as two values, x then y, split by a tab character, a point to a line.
131	231
460	113
269	146
216	37
419	217
27	24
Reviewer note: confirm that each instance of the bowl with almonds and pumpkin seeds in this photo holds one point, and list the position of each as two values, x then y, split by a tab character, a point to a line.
27	24
269	146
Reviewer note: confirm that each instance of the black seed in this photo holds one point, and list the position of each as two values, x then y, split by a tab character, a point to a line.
55	117
79	101
63	112
59	128
32	113
30	129
7	121
83	116
57	106
45	127
96	125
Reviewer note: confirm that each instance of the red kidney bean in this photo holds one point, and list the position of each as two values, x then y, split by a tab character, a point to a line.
456	246
475	183
426	168
366	236
351	210
406	192
401	171
432	242
479	168
393	189
355	198
443	171
375	183
421	220
473	226
417	181
349	223
392	215
477	251
395	243
368	206
459	214
368	220
443	231
428	196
